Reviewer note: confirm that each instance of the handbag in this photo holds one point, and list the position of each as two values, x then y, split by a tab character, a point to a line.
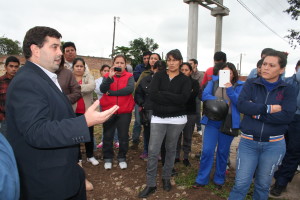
226	127
145	116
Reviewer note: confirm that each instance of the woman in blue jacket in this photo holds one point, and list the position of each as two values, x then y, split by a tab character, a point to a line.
212	135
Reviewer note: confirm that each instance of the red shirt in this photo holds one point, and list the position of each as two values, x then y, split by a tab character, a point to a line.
4	82
80	103
207	76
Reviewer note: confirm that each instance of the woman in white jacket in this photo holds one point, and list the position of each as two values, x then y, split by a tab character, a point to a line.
87	83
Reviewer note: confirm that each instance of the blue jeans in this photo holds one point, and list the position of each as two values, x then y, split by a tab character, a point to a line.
212	138
261	158
137	128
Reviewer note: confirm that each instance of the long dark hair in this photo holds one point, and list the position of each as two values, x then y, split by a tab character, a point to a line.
220	66
76	60
148	65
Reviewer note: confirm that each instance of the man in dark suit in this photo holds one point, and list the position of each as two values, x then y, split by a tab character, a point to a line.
42	127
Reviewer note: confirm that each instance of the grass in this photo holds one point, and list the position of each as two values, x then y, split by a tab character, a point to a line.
186	177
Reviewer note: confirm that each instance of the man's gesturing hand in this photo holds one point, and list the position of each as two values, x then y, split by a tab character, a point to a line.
93	117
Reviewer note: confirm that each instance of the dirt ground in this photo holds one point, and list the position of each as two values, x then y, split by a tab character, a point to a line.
117	184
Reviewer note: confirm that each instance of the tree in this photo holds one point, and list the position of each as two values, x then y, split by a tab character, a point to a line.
135	50
124	51
294	11
140	45
9	47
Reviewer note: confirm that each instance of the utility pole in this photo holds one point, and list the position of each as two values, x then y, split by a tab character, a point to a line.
217	10
241	57
114	33
192	30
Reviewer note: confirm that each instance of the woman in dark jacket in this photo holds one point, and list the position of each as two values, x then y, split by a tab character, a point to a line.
188	130
169	91
143	100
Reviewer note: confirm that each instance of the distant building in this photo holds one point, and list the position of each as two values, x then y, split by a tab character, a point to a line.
94	63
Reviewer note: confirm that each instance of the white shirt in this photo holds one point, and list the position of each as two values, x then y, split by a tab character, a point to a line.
97	89
51	75
169	120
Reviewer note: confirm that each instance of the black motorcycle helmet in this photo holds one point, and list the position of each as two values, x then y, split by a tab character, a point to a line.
215	109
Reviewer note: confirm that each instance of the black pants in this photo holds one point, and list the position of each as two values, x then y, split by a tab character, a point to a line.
81	195
291	160
120	122
89	146
187	137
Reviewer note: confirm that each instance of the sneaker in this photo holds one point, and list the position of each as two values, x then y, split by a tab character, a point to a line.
117	145
277	190
144	156
93	161
100	145
107	165
123	165
197	186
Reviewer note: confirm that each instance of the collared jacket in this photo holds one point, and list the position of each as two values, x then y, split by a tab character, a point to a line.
138	71
87	88
254	100
118	91
69	85
141	96
232	92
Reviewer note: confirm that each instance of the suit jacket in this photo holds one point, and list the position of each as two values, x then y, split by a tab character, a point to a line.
44	134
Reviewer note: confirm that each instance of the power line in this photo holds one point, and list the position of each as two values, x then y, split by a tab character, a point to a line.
262	22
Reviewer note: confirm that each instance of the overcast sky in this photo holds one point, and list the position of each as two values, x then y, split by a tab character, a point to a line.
90	25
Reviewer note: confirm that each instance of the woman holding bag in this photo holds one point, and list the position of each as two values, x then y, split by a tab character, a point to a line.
212	135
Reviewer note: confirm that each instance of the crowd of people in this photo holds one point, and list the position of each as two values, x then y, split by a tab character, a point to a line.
47	110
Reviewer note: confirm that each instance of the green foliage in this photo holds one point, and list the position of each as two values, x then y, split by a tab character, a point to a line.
294	11
9	47
134	52
124	51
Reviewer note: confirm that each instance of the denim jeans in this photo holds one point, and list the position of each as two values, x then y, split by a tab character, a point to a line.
158	133
120	122
261	158
116	139
3	128
137	128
